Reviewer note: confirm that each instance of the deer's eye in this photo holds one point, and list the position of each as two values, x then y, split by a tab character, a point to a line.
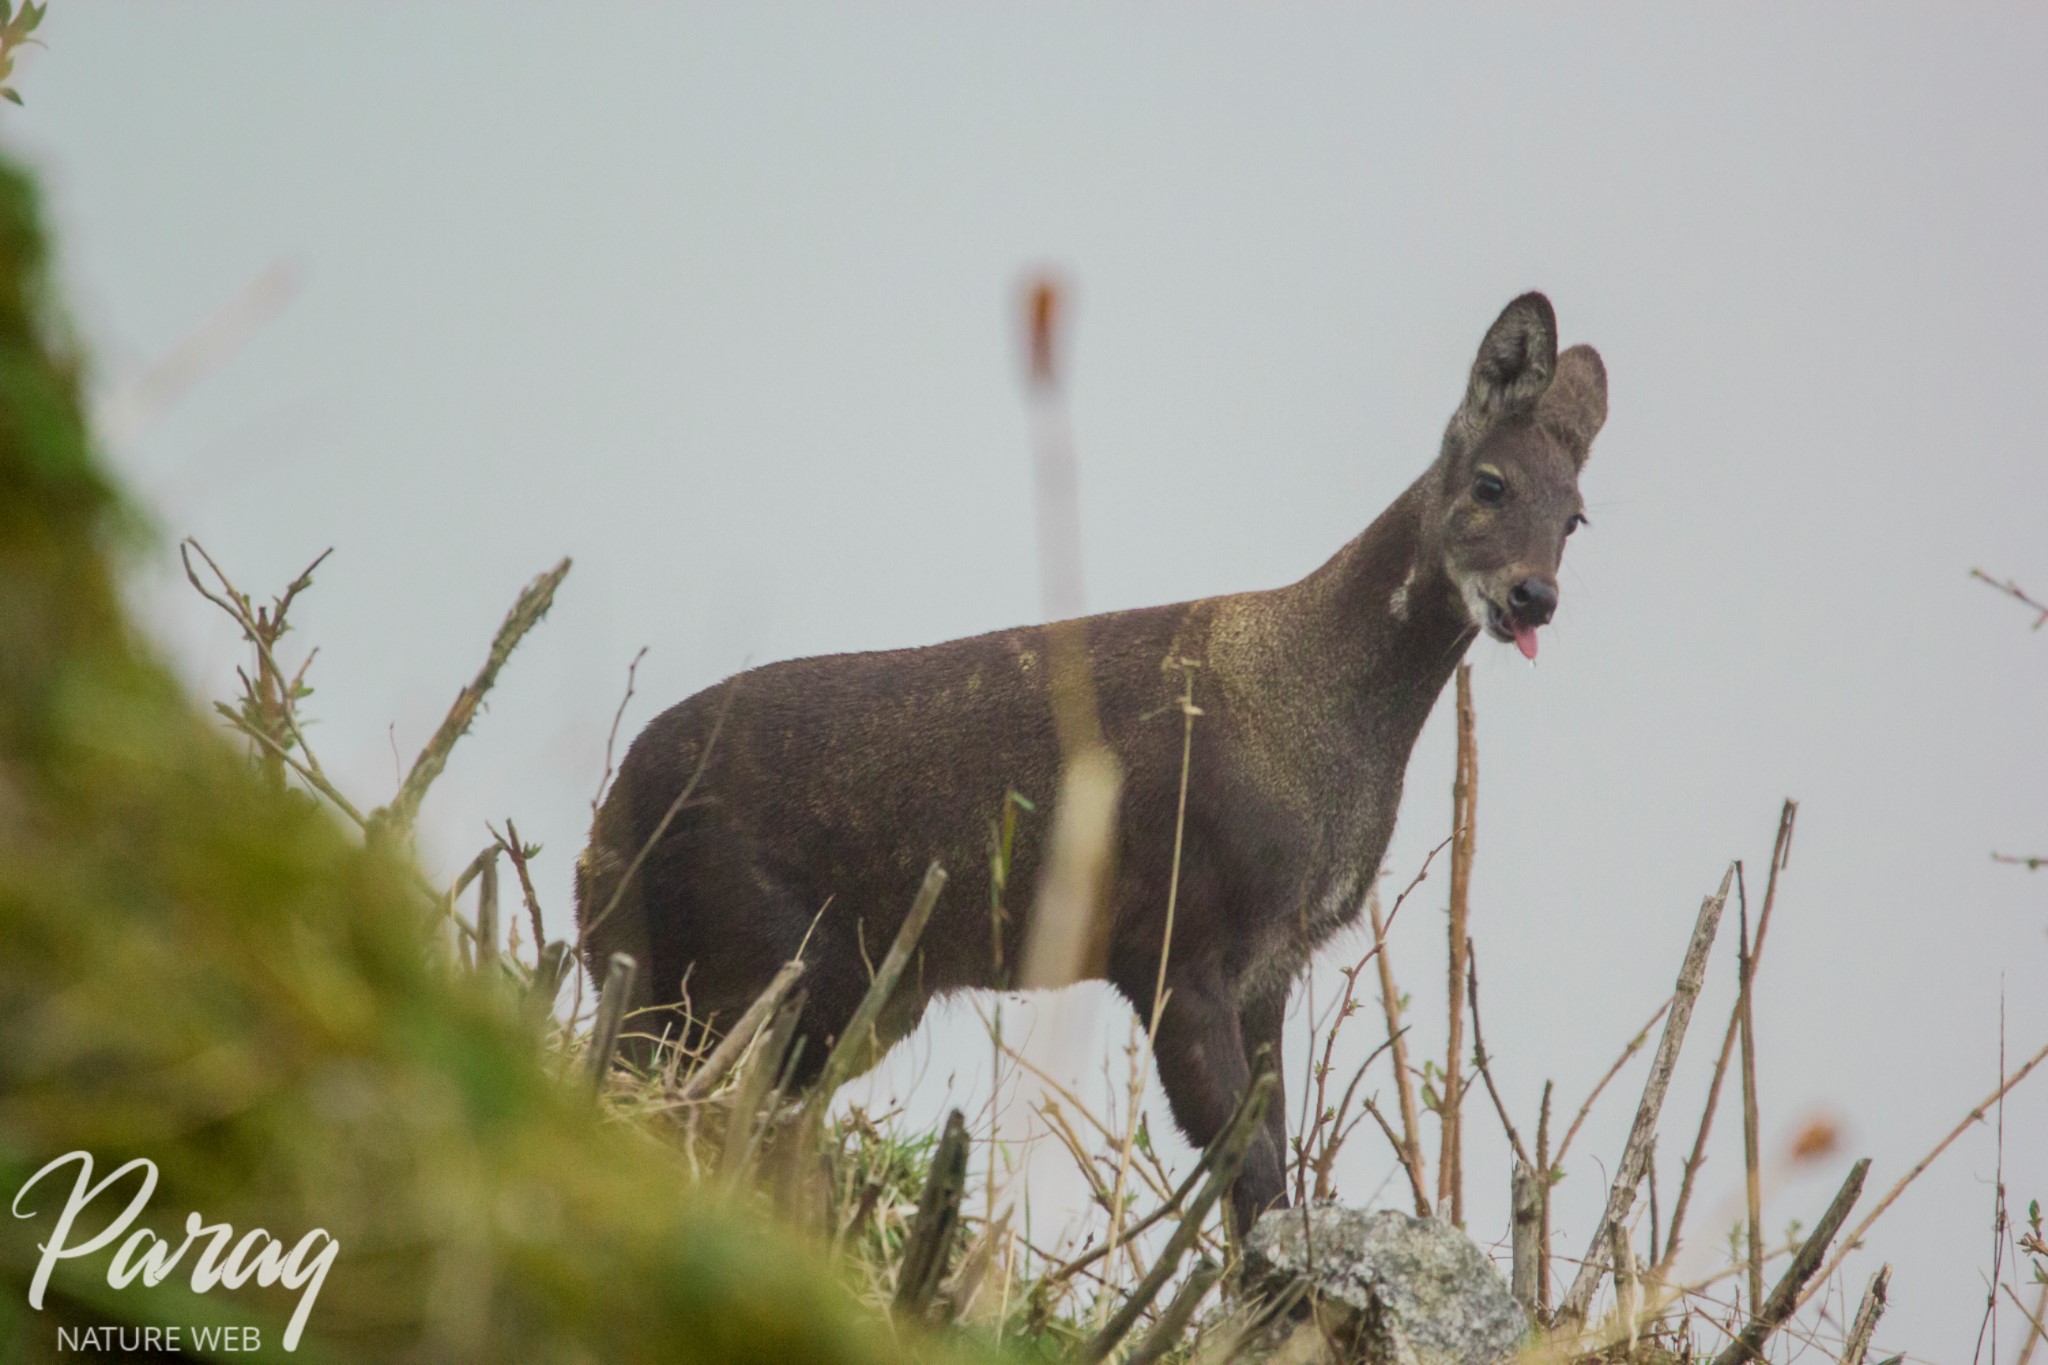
1578	519
1489	488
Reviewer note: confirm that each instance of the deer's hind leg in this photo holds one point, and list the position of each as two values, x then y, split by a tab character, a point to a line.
1262	1019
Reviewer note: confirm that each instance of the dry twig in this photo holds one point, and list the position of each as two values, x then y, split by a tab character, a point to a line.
612	1001
1479	1059
841	1061
1324	1132
611	739
1752	1160
1410	1145
532	605
1141	1074
2016	593
1221	1161
2037	1329
1527	1229
1635	1157
1450	1174
668	816
1635	1045
1167	1332
1850	1242
1786	1295
1781	856
1868	1312
933	1231
705	1078
518	854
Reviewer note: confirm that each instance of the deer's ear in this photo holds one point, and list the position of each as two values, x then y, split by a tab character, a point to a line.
1574	407
1515	362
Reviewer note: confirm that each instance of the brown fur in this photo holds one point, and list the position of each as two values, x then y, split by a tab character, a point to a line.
834	780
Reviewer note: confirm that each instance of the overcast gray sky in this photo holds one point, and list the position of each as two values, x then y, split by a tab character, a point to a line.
719	302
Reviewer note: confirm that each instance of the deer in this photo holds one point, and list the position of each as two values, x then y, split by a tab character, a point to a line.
818	788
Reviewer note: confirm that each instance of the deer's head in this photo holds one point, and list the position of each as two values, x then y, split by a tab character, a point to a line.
1507	482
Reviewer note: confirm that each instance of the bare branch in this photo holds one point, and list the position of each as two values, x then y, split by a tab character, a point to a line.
1479	1057
1635	1157
2016	593
668	816
1850	1242
1635	1045
1781	857
737	1039
532	605
855	1037
1786	1294
1221	1162
1867	1313
612	739
1410	1145
1450	1171
518	853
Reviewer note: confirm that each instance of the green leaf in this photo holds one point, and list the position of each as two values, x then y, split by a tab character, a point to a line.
34	13
1429	1099
9	94
2034	1212
7	12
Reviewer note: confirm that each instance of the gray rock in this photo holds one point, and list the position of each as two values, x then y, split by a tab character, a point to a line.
1386	1289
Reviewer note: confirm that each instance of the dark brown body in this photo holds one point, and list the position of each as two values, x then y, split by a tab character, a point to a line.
834	781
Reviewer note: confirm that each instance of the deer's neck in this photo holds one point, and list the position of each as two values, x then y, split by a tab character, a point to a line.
1380	626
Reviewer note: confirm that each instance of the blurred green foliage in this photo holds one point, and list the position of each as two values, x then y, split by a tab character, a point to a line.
206	971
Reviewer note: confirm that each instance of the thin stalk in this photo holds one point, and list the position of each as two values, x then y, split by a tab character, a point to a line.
1781	856
1450	1175
1173	1323
1752	1160
1635	1045
611	1016
1635	1157
706	1077
1969	1120
2037	1319
1546	1179
1404	1082
1180	822
1222	1163
840	1062
932	1232
1864	1326
1479	1060
532	605
1786	1294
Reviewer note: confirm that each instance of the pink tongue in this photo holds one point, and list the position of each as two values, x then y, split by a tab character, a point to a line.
1525	640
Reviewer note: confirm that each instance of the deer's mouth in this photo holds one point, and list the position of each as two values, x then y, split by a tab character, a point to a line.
1508	628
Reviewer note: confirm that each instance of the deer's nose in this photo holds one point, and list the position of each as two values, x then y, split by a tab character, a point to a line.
1533	600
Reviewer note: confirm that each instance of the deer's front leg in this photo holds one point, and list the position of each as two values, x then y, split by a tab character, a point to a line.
1205	1071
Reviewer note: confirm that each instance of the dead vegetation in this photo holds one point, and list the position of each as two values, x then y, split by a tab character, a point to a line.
885	1208
891	1207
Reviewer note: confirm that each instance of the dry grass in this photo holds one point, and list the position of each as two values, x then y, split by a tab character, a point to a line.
330	1039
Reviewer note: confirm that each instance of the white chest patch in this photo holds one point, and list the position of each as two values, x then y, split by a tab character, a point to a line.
1398	603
